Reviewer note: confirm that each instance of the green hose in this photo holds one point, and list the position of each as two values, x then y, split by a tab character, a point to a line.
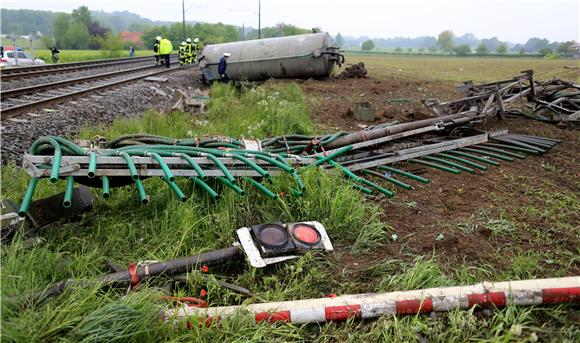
511	147
193	165
448	163
175	189
105	187
27	197
462	160
92	164
331	156
212	193
68	193
385	191
231	185
507	153
261	188
486	153
474	157
404	173
142	195
55	169
435	165
390	179
163	165
361	188
130	165
221	167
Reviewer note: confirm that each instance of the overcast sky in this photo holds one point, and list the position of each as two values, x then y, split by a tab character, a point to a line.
512	20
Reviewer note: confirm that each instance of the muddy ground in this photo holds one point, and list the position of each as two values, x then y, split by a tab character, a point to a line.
461	209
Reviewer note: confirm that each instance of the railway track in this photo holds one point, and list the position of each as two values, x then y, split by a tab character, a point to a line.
26	99
18	73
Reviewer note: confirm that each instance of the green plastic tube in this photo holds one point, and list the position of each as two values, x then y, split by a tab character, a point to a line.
25	205
384	177
231	185
68	193
193	165
282	165
105	187
168	174
331	156
385	191
175	189
221	167
361	188
474	157
434	165
462	160
92	164
487	153
55	169
251	164
142	195
404	173
507	153
130	165
261	188
448	163
210	191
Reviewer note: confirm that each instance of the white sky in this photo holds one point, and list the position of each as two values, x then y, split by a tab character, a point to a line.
512	20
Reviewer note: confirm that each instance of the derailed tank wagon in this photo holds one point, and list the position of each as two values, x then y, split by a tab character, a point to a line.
301	56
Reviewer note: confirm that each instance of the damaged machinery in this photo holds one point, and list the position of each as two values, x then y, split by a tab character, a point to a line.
554	100
300	56
447	143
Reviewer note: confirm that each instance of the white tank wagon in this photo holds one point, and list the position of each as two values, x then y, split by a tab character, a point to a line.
301	56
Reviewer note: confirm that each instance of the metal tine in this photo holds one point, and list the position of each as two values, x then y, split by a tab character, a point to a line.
507	153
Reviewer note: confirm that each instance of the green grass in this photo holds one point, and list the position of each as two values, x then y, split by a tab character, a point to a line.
84	55
121	230
454	69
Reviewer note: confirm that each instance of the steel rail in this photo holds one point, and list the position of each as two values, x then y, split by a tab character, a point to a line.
23	108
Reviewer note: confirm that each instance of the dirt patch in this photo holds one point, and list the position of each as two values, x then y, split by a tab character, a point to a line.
479	219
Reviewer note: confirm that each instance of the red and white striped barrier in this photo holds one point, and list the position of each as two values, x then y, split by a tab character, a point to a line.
372	305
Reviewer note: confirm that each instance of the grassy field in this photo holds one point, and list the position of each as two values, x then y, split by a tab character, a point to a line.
84	55
120	230
458	69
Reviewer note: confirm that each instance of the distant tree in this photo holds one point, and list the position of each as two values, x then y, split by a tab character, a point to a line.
445	41
522	51
82	15
433	49
339	40
536	44
111	44
462	50
77	37
564	46
481	49
410	50
368	45
501	49
60	28
398	49
421	49
545	51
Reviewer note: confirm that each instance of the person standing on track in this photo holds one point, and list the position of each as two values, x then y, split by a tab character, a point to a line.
131	51
165	49
156	51
183	54
222	67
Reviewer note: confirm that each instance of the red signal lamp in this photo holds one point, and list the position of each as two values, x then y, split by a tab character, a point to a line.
271	243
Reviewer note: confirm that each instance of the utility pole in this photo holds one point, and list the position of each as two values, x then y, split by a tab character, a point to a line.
183	19
259	19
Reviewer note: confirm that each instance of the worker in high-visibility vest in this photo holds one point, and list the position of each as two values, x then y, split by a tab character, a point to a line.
156	49
189	51
194	50
183	54
165	50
